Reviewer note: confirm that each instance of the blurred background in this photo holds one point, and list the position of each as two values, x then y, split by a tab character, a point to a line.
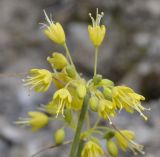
130	55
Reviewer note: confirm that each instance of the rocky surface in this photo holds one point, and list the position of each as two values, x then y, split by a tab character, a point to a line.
130	55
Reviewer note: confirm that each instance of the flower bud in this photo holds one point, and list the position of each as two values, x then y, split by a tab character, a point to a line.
109	134
106	82
93	103
68	115
71	71
97	79
57	60
112	148
59	136
107	93
81	91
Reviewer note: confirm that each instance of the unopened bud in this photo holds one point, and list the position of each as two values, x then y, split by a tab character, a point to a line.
112	148
109	134
106	82
59	136
81	91
57	60
107	92
71	71
68	115
93	103
97	79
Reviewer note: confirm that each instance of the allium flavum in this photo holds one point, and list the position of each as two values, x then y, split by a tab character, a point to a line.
76	98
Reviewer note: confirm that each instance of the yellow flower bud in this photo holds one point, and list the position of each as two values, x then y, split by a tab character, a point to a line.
112	148
81	90
54	31
58	61
106	82
59	136
96	32
93	103
107	93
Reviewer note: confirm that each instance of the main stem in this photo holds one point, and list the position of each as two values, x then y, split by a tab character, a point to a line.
76	139
80	147
95	61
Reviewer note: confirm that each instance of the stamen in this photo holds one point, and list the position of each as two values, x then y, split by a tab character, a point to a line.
43	25
51	18
93	21
96	22
59	109
47	18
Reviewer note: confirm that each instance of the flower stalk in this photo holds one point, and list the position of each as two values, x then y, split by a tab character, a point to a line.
76	139
68	54
80	148
95	61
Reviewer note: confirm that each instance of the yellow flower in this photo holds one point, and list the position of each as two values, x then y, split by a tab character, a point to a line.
39	79
76	100
125	97
92	149
37	120
123	137
64	99
58	61
96	32
54	31
106	109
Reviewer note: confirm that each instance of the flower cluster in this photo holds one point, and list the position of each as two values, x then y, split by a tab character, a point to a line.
75	95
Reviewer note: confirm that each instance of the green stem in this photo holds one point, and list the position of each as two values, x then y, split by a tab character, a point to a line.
88	121
95	61
76	139
68	54
81	144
